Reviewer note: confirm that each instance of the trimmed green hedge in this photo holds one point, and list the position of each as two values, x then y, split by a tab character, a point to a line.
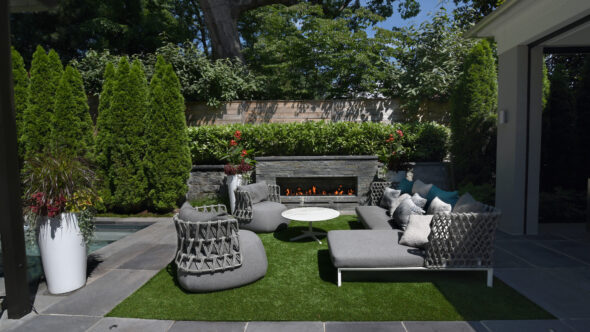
424	141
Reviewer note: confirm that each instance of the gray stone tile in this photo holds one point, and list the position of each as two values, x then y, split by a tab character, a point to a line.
504	259
578	325
43	302
104	294
108	263
364	327
43	323
444	327
525	326
536	254
156	258
285	327
112	324
575	277
185	326
574	249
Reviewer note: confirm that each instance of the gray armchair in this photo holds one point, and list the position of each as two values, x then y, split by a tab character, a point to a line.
259	208
213	253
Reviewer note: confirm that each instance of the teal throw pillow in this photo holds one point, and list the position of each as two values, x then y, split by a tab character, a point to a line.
449	197
406	186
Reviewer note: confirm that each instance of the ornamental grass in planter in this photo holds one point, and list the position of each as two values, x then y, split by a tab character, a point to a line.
60	196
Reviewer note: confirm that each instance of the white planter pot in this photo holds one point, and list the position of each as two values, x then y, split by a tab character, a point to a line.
63	253
233	181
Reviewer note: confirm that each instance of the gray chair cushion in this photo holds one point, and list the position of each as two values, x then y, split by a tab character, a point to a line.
389	196
373	217
189	213
266	217
419	200
437	205
421	188
402	214
467	203
396	203
258	191
254	266
416	234
370	249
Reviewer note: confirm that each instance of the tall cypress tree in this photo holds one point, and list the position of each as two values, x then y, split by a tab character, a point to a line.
167	159
72	126
20	79
473	117
46	71
128	108
105	132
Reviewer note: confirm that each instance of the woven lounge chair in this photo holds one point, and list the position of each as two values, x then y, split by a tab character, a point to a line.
259	208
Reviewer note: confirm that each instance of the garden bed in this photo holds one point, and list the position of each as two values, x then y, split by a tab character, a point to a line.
301	285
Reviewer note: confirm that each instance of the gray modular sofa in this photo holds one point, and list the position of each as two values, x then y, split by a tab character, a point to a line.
213	253
457	241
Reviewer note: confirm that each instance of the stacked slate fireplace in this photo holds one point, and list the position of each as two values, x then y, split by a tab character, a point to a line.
340	182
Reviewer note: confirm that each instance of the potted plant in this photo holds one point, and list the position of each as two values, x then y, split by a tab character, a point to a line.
60	194
238	168
393	156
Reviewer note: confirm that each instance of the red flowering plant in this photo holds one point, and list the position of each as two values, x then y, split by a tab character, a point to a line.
56	184
238	158
393	153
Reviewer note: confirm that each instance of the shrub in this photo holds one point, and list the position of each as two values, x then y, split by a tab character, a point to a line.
473	117
20	79
72	127
167	159
208	143
46	71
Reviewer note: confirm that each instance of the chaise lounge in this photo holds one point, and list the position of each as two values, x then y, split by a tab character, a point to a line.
458	241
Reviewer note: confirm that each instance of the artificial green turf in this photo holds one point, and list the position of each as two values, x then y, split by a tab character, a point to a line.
301	285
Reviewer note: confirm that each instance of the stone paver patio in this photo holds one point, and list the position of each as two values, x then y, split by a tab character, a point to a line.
551	269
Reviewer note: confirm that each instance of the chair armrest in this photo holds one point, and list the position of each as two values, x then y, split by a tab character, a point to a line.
462	240
377	189
274	193
243	210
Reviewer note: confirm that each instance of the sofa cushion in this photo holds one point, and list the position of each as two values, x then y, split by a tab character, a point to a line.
389	195
258	191
467	203
449	197
437	205
419	200
371	249
189	213
396	203
421	188
416	234
405	186
402	214
373	217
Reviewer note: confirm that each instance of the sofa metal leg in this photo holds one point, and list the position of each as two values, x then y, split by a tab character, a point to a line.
339	278
490	277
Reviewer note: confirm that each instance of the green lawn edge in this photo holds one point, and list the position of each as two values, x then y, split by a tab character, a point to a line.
300	285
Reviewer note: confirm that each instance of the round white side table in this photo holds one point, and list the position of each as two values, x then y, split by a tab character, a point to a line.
310	215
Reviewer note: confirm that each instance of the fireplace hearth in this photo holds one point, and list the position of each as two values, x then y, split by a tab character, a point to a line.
318	186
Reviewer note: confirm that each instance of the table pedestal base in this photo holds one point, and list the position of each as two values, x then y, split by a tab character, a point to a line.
309	233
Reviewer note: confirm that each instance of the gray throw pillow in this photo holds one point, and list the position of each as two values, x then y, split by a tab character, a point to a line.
389	195
418	200
402	214
467	203
189	213
416	234
258	191
396	203
421	188
437	205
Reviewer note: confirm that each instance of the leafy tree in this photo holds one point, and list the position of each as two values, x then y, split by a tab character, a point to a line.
167	159
20	79
469	12
473	117
46	71
124	145
72	128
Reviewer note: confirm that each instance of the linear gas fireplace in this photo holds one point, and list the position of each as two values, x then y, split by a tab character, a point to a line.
340	182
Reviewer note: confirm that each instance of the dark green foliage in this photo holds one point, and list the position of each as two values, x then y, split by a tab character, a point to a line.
167	159
583	123
72	127
46	71
422	141
473	117
20	79
122	147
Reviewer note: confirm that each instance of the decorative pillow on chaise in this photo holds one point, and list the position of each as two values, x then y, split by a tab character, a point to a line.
449	197
406	208
421	188
416	234
467	203
389	196
437	205
405	186
258	191
418	200
396	203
